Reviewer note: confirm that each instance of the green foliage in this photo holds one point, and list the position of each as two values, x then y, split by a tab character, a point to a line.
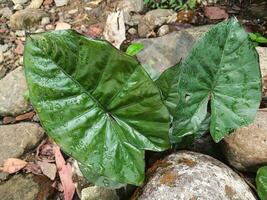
258	38
134	49
222	69
97	103
171	4
104	110
261	182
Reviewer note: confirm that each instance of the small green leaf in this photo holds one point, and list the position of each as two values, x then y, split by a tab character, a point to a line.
261	182
223	69
26	95
97	103
256	37
134	49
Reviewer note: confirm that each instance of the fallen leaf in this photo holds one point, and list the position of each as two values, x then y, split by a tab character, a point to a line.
25	116
20	47
12	165
48	169
45	151
185	16
47	2
8	120
214	13
32	168
114	31
65	174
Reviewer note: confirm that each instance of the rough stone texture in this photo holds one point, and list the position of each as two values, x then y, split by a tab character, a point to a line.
5	12
98	193
159	55
26	187
153	19
18	138
163	30
189	176
36	3
19	187
129	7
262	51
19	1
12	89
246	148
26	18
61	2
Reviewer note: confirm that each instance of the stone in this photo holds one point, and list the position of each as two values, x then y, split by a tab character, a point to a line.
98	193
36	4
132	31
18	7
246	148
12	89
188	176
26	18
163	30
262	51
6	12
45	21
61	2
49	27
155	18
129	7
62	26
26	187
158	55
16	139
19	1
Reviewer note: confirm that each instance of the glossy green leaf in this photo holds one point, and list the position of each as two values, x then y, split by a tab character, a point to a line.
222	69
134	49
261	182
258	38
168	83
97	103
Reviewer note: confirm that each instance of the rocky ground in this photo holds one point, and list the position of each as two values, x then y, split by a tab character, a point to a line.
22	136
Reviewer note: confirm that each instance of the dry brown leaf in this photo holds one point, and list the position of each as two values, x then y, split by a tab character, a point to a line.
65	174
215	13
33	168
12	165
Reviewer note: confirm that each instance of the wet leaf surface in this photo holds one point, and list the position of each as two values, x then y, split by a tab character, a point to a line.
97	103
261	182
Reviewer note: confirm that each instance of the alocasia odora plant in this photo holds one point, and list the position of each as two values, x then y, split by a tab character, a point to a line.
104	110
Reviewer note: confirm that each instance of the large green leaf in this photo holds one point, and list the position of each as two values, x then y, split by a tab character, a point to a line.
222	69
261	182
97	103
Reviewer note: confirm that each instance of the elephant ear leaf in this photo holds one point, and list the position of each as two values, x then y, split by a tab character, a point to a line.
168	83
97	103
223	69
261	182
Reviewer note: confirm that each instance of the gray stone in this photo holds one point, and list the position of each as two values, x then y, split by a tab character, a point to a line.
19	1
26	187
262	51
163	30
128	7
98	193
5	12
61	2
158	55
45	21
153	19
246	148
19	187
132	31
16	139
12	89
188	175
36	3
26	18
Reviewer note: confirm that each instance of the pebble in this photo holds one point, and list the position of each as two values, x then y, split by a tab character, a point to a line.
20	33
19	1
98	193
16	139
6	12
132	31
62	26
12	89
18	7
49	27
36	3
61	2
163	30
45	21
73	11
